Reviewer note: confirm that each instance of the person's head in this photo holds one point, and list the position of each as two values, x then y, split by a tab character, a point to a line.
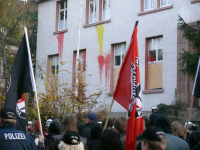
8	116
71	141
110	139
54	127
69	124
178	130
121	124
194	138
110	123
96	131
153	138
164	123
154	109
92	117
48	122
80	127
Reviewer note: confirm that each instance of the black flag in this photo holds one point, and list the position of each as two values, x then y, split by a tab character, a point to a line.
21	81
196	88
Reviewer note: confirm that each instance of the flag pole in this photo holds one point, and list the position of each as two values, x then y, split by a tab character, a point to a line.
108	115
33	79
191	103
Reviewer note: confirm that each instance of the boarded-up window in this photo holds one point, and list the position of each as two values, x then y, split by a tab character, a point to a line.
155	64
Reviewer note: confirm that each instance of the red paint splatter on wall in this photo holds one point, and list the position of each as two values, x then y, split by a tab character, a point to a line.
101	63
107	68
60	38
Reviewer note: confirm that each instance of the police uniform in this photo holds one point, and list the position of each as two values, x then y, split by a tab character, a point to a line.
12	139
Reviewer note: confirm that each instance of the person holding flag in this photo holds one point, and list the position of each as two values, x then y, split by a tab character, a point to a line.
128	94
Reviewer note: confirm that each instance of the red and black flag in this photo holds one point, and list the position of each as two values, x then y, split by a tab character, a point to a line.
128	94
21	81
196	88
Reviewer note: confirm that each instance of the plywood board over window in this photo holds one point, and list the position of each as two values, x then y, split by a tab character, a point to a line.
155	76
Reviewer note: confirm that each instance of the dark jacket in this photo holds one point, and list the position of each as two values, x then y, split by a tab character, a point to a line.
12	139
96	132
86	132
54	129
173	142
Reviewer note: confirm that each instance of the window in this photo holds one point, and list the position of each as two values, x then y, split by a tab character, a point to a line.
148	4
54	64
92	11
1	67
154	64
155	49
106	10
165	2
62	15
82	60
119	51
97	11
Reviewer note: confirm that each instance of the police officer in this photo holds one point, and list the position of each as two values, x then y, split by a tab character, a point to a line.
10	138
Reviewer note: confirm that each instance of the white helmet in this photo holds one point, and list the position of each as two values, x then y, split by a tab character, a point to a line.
48	121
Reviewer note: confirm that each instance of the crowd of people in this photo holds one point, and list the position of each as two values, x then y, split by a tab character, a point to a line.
158	134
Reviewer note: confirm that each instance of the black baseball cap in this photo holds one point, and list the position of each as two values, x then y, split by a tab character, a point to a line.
151	133
7	113
71	138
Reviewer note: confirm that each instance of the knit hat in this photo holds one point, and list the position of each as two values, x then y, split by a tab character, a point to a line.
7	113
92	116
151	133
71	138
164	123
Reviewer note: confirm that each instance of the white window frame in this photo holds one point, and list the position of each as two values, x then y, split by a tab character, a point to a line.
121	59
156	61
92	2
81	60
107	10
167	3
62	10
151	1
50	59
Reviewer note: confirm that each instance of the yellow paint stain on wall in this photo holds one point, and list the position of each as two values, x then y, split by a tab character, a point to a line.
100	32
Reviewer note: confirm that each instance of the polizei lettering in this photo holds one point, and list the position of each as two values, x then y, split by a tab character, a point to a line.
14	136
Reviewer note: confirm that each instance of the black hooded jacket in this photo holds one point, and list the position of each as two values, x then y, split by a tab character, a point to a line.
173	142
54	129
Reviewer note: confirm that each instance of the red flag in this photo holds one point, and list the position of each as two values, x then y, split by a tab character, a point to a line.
128	94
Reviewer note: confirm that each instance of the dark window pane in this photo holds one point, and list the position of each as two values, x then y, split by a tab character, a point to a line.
117	60
122	58
52	69
152	55
66	4
160	54
62	15
61	5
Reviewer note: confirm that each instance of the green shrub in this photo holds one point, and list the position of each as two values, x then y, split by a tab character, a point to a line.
162	109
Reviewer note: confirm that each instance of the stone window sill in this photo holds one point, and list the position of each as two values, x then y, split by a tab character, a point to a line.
155	10
153	91
62	31
195	1
96	23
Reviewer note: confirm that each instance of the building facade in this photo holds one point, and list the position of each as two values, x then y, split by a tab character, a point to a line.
105	32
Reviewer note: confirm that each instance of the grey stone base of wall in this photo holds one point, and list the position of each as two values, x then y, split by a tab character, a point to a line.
125	114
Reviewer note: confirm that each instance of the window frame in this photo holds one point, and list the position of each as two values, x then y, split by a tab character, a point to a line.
50	70
108	7
148	8
59	11
121	55
95	11
166	4
156	61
